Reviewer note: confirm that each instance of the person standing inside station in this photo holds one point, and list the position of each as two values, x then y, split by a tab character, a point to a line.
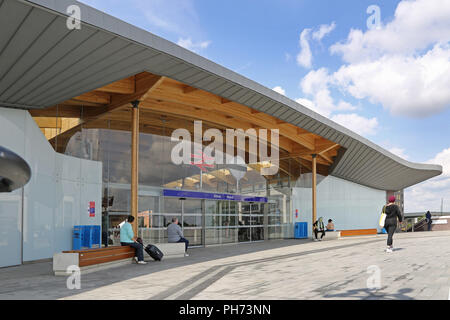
393	216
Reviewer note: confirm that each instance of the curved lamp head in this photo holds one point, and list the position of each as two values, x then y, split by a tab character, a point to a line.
14	171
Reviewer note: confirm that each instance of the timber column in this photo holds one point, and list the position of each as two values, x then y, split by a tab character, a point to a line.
314	186
134	163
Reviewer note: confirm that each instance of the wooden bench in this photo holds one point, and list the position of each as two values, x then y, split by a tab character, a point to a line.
92	259
98	259
358	232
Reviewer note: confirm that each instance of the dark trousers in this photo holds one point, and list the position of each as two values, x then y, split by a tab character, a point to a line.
186	243
138	247
317	231
429	226
390	228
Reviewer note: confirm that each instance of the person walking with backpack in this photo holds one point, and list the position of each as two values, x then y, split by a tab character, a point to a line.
393	214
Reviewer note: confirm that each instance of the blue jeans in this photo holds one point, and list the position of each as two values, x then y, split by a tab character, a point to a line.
138	247
186	242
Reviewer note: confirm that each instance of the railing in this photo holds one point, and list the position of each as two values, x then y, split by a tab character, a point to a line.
411	226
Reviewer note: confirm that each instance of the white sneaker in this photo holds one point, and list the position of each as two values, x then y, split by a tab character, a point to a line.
316	240
186	255
136	259
142	262
389	250
320	239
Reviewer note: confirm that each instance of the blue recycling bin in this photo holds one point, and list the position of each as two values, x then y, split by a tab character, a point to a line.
301	230
86	237
78	237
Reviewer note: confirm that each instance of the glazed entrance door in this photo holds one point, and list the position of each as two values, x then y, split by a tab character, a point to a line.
251	222
257	221
192	221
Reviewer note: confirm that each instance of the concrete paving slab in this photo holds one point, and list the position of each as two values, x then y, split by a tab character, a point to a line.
278	269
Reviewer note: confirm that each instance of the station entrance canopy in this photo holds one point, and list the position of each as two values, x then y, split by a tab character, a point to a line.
92	74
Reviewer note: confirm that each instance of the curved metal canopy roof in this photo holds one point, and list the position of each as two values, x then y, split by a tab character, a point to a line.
42	63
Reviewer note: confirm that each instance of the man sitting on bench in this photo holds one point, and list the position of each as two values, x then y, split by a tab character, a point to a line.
319	227
175	234
127	239
330	225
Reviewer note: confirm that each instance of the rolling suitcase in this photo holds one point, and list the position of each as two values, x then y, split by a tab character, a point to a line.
154	252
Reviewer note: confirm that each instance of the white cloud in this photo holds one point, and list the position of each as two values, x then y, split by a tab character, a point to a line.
179	18
427	195
361	125
306	103
416	26
315	81
324	29
280	90
188	44
176	16
406	85
316	84
304	58
405	64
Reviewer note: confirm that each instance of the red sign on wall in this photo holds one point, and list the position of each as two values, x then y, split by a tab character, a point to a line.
92	209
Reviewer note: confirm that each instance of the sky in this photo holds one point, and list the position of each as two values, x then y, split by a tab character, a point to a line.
380	68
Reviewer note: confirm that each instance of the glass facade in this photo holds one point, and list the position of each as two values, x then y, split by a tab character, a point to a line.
204	222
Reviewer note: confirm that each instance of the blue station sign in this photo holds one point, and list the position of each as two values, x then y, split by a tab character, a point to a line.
211	196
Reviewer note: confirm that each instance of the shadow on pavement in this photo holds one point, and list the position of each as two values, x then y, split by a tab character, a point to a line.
43	284
367	294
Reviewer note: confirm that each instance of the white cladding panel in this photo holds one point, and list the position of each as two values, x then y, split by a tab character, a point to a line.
55	199
349	205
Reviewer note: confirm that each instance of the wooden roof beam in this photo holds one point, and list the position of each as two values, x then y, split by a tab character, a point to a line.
189	89
328	148
145	84
94	97
124	86
172	92
48	122
205	115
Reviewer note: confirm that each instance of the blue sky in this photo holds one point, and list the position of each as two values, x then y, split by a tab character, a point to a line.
391	85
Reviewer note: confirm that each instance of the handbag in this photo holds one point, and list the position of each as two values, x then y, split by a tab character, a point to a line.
382	217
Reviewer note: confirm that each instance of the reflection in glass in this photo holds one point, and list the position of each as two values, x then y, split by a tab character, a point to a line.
192	221
212	220
243	234
212	236
226	221
192	206
257	233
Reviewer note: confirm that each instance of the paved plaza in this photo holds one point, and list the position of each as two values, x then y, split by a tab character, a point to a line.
419	268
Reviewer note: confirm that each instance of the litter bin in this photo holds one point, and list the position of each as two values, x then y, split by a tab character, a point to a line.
301	230
78	236
86	237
